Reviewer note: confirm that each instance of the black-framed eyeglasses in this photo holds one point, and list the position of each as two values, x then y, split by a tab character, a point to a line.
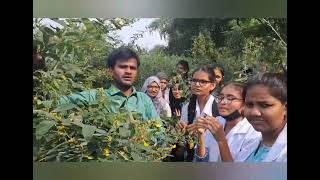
201	82
228	99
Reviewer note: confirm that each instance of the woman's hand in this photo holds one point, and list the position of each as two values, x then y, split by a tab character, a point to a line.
178	113
214	126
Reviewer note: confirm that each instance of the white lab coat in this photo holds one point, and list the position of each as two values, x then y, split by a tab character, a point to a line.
277	153
242	136
206	110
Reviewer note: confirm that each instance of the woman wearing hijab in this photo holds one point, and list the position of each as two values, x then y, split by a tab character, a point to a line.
151	87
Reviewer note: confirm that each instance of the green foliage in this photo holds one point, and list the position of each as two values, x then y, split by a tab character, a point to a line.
70	133
94	133
75	61
203	47
153	63
239	45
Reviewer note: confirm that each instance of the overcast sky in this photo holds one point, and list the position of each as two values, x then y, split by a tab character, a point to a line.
149	39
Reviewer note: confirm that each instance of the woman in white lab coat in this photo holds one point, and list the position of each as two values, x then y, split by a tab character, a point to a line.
266	110
237	132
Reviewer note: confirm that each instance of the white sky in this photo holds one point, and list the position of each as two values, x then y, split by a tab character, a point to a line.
148	41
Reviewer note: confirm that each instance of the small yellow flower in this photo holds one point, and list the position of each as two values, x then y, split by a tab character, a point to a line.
64	77
39	102
157	124
88	157
191	145
61	128
145	144
60	133
72	140
173	146
56	115
109	138
116	123
101	90
106	152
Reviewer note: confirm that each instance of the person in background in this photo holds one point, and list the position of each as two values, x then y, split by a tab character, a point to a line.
164	80
176	100
182	69
219	73
151	87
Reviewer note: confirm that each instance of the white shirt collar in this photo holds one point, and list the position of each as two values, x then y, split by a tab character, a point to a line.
279	148
207	108
241	127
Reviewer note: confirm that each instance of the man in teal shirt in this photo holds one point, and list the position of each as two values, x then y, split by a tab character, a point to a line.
124	64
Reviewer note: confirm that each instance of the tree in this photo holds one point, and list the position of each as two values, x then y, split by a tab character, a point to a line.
247	41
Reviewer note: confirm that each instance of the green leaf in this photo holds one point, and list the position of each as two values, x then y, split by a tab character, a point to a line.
124	132
78	124
141	146
101	131
53	55
132	132
47	104
154	140
64	107
45	38
76	118
49	31
42	128
123	142
49	137
66	122
88	131
71	34
99	116
136	157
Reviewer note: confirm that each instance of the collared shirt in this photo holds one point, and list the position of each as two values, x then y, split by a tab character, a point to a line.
240	138
260	155
207	110
136	102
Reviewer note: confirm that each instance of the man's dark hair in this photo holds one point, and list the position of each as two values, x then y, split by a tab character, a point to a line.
122	53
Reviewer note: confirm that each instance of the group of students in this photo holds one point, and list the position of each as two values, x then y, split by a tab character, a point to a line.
252	121
167	100
233	122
